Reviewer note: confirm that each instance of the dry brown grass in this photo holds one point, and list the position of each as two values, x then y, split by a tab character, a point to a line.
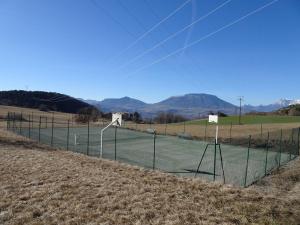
58	116
238	131
197	131
284	179
60	119
38	186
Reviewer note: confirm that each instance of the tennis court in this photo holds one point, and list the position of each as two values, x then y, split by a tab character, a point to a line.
169	153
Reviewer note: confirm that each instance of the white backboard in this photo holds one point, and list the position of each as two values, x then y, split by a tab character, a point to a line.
117	119
213	119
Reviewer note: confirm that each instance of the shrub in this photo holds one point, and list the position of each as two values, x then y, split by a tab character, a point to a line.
87	114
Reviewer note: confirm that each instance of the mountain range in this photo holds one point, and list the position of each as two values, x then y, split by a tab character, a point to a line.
282	103
189	105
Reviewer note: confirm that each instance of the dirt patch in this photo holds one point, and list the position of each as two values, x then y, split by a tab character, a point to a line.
60	187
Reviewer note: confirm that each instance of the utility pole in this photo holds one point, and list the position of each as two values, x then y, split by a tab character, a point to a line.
241	98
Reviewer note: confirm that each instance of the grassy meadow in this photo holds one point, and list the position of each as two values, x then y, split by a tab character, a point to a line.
250	119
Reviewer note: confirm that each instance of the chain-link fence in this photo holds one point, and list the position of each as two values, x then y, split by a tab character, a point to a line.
236	160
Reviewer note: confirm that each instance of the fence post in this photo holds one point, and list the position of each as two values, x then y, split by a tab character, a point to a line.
46	122
21	123
68	134
14	122
32	118
154	150
280	147
88	139
116	142
215	159
40	128
247	163
298	143
267	151
230	138
52	130
261	130
10	120
290	153
7	125
183	126
29	130
7	121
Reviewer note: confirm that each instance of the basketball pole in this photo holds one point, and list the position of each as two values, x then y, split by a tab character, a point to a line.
116	122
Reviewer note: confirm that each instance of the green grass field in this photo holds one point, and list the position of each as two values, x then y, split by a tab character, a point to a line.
250	119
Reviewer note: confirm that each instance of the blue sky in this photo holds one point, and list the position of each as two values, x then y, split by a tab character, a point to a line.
77	47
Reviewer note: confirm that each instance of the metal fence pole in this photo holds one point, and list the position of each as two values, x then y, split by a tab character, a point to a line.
267	151
40	128
290	153
46	122
230	133
215	160
10	124
68	134
261	130
247	163
21	123
32	117
7	123
280	147
14	122
183	126
298	144
52	130
154	150
10	121
88	139
29	130
116	142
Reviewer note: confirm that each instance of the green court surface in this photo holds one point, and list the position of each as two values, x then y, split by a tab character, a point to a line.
172	154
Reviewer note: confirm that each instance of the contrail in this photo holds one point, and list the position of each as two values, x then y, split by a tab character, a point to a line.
152	28
207	36
175	34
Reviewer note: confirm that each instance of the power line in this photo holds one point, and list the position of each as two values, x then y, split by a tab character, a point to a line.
176	33
131	14
152	28
108	14
207	36
192	61
141	25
